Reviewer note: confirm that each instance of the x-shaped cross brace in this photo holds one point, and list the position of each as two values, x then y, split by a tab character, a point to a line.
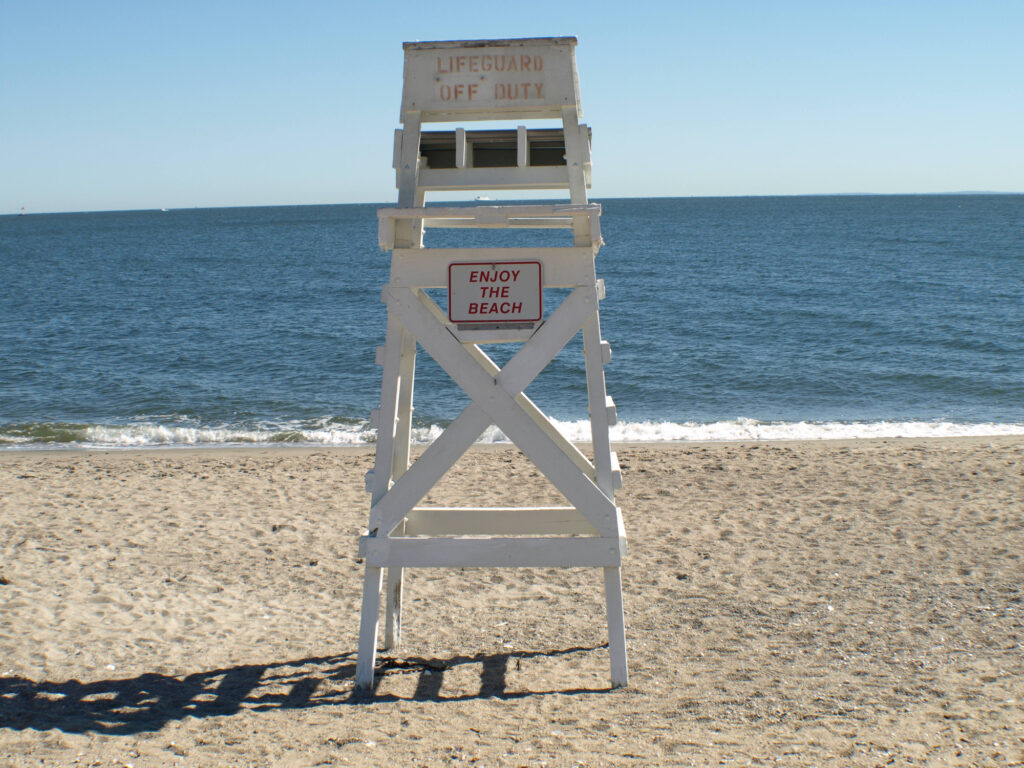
496	398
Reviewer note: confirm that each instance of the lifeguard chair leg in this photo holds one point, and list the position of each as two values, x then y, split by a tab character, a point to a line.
368	625
403	435
393	603
616	626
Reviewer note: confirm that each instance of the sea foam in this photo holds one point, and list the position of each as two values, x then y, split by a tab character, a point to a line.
327	433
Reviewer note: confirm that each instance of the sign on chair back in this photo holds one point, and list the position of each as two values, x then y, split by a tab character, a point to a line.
494	295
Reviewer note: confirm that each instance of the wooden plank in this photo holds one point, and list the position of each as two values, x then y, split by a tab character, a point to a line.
460	147
407	177
616	471
616	626
540	419
469	79
503	211
396	158
430	467
393	604
530	177
498	521
384	459
403	427
428	267
389	510
598	401
369	624
503	410
536	222
497	335
494	552
554	334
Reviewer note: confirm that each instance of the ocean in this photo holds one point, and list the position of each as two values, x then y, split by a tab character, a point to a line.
729	319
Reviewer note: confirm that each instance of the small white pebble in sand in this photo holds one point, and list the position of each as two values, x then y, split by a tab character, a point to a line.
830	609
111	667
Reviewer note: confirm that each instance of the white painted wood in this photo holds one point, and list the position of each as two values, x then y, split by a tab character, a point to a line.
590	533
565	222
575	157
424	473
490	217
403	431
616	471
496	552
369	623
504	212
428	267
393	602
616	626
538	417
492	335
585	143
529	177
409	195
501	407
518	373
396	158
501	521
409	164
611	411
485	79
460	147
403	427
383	462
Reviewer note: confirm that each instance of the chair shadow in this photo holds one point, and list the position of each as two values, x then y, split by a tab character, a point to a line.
150	701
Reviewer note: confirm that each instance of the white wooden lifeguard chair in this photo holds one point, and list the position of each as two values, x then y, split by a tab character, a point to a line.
494	295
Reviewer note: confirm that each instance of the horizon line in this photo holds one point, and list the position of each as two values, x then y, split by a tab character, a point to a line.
229	206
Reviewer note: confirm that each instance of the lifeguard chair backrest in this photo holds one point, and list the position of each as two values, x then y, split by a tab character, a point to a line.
530	78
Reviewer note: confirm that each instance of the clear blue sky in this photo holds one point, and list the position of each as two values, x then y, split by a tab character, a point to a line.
123	105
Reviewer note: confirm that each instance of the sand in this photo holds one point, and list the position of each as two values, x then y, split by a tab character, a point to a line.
816	603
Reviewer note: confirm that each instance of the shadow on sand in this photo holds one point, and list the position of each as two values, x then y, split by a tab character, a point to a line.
149	701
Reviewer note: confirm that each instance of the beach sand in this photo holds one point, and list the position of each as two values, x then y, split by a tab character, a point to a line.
816	603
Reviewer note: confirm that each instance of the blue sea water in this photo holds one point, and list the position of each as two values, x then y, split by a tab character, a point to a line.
729	318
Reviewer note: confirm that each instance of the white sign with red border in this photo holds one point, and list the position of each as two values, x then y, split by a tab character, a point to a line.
495	292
